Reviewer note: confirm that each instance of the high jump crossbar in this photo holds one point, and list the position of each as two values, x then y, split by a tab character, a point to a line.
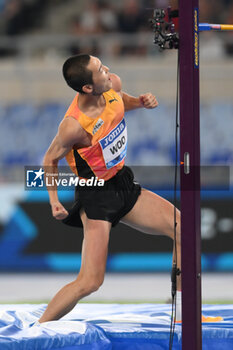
218	27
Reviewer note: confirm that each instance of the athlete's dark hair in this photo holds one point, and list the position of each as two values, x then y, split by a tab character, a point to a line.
76	73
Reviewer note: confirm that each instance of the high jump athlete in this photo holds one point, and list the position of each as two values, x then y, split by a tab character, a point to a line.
93	138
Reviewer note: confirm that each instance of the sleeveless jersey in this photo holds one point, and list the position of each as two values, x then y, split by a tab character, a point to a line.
105	156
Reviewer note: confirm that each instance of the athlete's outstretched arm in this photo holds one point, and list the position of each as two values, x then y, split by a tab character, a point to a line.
69	133
146	100
130	102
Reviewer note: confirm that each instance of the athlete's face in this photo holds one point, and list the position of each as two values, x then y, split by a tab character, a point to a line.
100	76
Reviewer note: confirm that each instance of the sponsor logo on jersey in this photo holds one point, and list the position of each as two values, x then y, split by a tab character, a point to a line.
98	124
114	99
114	145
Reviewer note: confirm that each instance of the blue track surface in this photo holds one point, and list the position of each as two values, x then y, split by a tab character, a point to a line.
107	327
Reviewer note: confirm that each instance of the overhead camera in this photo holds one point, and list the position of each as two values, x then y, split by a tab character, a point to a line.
165	35
159	13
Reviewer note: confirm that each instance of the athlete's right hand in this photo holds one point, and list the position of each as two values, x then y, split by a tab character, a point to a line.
58	211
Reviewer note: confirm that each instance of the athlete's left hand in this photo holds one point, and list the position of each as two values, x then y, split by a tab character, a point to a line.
148	100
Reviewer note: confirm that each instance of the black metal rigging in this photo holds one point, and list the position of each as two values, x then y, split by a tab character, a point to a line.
165	34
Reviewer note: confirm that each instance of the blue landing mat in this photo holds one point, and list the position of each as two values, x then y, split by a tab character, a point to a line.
107	327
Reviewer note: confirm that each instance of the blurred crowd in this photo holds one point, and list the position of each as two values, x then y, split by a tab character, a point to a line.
20	16
93	17
88	17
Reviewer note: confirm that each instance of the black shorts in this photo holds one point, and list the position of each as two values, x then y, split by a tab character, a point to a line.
109	202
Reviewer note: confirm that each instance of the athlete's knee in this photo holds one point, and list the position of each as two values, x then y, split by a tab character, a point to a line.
92	286
89	284
96	284
175	227
178	231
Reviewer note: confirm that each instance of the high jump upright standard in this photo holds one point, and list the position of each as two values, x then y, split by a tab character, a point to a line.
190	174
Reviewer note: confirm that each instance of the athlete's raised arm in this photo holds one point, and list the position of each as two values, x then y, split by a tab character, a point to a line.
69	133
130	102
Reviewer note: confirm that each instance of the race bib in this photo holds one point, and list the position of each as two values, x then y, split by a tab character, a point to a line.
114	145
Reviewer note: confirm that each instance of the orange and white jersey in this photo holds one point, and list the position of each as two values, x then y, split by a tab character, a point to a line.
105	156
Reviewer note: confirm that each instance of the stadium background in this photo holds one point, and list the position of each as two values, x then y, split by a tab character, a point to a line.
36	38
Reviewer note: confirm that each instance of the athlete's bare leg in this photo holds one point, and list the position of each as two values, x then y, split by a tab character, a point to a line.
155	215
91	275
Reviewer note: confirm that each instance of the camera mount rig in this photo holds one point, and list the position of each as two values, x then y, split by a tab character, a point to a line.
165	35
